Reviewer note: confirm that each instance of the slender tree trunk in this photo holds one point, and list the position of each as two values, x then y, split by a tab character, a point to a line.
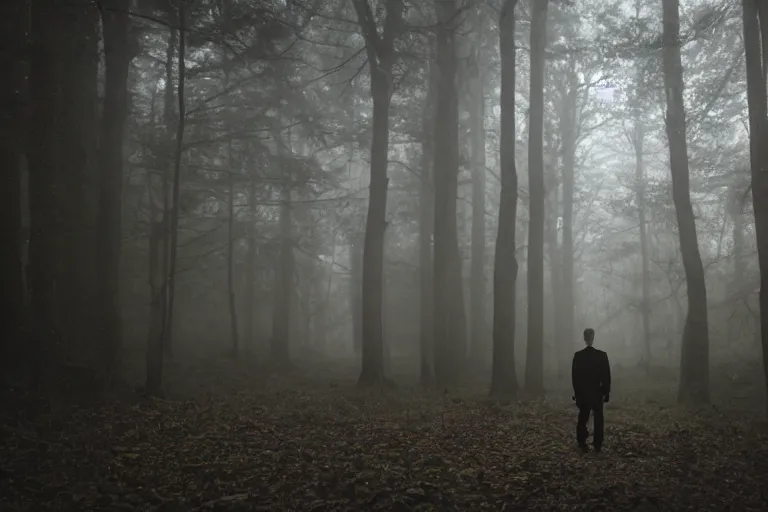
250	270
756	15
322	310
231	259
13	120
77	282
119	50
44	188
380	50
387	324
645	304
560	347
450	320
560	350
694	362
504	376
426	210
356	291
281	314
479	338
373	248
157	267
568	129
534	363
734	209
170	122
176	188
157	282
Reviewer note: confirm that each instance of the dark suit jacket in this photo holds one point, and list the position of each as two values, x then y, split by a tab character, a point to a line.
591	375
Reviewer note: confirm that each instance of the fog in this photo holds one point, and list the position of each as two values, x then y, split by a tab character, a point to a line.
287	219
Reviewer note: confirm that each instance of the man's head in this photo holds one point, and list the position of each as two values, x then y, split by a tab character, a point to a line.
589	336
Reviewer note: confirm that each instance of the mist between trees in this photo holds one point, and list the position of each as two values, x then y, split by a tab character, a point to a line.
467	185
436	196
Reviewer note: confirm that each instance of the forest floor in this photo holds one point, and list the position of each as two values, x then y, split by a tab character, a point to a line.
246	439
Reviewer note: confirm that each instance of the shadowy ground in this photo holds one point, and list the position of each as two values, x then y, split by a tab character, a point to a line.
245	439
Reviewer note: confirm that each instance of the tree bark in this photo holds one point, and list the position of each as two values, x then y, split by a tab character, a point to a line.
176	187
157	287
735	206
381	56
534	363
250	270
426	211
280	347
171	124
504	374
638	139
479	331
755	21
13	60
356	291
694	361
77	282
119	50
44	188
158	241
450	320
62	195
231	259
568	137
561	348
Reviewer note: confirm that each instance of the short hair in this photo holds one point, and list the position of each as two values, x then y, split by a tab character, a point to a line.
589	334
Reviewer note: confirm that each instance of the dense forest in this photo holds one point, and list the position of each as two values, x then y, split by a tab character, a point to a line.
229	225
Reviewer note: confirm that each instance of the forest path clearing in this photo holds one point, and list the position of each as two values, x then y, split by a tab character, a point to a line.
337	448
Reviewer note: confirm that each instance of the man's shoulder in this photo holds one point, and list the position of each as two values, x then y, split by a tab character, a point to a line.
591	350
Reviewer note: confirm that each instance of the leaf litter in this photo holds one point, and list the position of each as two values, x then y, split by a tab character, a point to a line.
320	447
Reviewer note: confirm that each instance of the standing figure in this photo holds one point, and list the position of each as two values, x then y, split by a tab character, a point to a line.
591	375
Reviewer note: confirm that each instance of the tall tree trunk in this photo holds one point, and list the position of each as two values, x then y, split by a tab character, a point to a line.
736	206
450	320
281	313
250	270
119	50
158	254
356	290
426	210
734	209
373	245
157	287
694	361
560	347
322	309
504	376
77	282
173	243
568	131
638	139
170	121
44	188
381	56
231	259
755	21
534	361
13	59
479	331
552	151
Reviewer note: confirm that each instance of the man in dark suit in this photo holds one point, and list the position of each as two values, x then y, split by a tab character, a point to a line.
591	375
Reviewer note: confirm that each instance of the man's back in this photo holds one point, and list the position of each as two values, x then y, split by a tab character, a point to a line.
591	374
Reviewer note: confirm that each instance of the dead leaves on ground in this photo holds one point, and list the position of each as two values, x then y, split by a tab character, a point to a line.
340	449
